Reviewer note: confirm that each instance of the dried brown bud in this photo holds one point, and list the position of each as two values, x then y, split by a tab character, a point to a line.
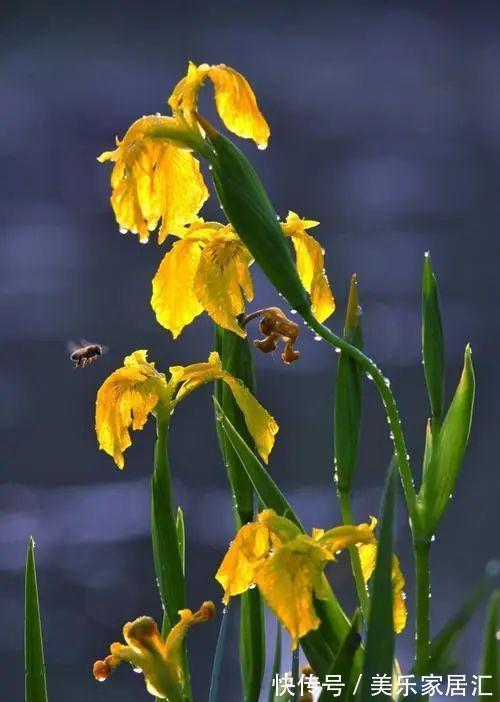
276	327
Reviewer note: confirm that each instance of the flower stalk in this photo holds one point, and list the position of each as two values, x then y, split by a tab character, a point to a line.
391	408
423	595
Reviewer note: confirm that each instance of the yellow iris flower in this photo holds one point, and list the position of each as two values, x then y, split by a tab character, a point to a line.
156	180
368	558
208	270
160	661
287	566
131	393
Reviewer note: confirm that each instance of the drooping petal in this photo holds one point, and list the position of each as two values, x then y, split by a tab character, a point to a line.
221	280
310	265
154	179
261	425
234	98
250	546
173	645
237	105
124	401
342	537
288	582
368	558
174	301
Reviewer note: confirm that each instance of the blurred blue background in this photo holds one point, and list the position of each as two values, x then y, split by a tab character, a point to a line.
385	127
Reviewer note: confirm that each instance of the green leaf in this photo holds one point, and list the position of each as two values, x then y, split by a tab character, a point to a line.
321	645
432	341
167	558
273	689
448	449
348	397
237	359
379	652
490	665
264	485
167	534
344	661
442	651
35	683
213	695
248	208
181	536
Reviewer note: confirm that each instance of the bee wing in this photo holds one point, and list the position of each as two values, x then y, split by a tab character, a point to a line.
85	342
72	346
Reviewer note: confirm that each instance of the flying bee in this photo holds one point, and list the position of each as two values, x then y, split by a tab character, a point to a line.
84	353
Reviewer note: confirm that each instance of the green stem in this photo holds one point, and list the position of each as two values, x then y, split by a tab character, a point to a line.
347	518
382	384
422	652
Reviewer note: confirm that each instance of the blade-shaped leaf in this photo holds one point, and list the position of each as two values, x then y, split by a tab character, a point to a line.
348	397
442	651
213	695
448	449
432	341
490	665
35	683
379	652
181	536
264	485
167	558
344	660
274	695
237	359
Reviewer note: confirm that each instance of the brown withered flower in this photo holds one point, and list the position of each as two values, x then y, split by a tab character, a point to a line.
276	327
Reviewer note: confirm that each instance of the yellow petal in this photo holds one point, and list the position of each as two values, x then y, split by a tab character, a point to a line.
124	401
261	425
173	650
174	301
221	280
399	598
368	558
237	105
249	548
310	265
154	180
288	582
342	537
184	98
234	98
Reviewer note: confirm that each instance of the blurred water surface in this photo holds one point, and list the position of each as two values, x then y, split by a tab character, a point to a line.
385	127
